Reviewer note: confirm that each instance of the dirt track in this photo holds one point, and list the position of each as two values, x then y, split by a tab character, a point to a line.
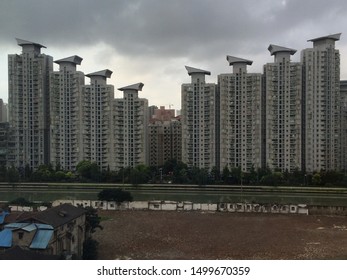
197	235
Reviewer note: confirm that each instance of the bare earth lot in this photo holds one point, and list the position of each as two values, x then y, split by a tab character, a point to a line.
198	235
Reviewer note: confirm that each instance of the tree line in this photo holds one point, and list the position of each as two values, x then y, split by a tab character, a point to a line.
173	171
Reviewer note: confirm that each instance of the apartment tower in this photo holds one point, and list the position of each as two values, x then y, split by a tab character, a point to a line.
283	89
28	98
3	111
130	121
164	137
198	120
97	113
240	116
66	114
322	102
343	92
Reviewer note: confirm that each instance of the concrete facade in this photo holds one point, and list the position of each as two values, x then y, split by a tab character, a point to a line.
322	101
97	113
165	141
343	92
240	117
130	122
198	120
66	118
3	111
29	116
283	90
4	142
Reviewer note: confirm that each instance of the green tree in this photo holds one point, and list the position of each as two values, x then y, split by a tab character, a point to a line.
199	176
273	179
21	201
141	174
236	174
117	195
89	170
92	220
215	175
332	178
226	175
44	173
316	179
180	173
90	249
12	175
59	176
3	173
28	171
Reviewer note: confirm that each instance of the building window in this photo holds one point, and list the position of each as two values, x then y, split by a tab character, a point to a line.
20	235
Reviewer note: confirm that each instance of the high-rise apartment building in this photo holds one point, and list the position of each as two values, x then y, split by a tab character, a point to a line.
240	116
343	92
163	114
164	137
130	121
4	142
97	113
199	120
283	90
3	111
66	114
322	102
151	111
28	88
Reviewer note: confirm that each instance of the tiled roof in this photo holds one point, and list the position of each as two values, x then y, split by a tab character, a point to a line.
59	215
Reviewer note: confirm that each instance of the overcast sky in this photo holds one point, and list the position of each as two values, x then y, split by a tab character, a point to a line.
151	41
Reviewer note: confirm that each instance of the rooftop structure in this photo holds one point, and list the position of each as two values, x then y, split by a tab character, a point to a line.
192	71
274	49
137	87
233	59
75	59
103	73
22	43
335	37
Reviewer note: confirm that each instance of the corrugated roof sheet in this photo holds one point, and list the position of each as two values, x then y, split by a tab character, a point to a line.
41	239
27	226
2	216
6	238
16	225
44	226
30	227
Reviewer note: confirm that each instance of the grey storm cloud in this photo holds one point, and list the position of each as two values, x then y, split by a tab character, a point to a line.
192	28
151	40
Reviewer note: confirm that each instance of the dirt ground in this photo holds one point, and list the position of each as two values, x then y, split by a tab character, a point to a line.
156	235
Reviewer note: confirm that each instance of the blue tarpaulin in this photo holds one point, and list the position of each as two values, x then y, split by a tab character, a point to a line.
6	238
2	217
41	239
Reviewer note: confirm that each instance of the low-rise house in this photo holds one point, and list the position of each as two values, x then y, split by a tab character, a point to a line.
58	231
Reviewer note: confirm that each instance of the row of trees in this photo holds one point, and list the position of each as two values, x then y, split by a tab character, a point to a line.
172	171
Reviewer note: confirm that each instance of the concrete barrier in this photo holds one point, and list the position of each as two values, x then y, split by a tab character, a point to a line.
163	205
